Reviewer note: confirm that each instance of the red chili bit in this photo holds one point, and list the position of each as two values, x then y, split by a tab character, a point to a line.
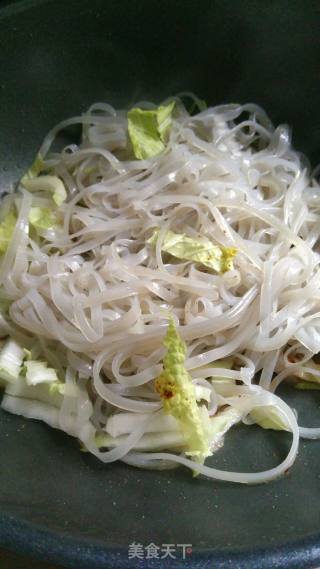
167	394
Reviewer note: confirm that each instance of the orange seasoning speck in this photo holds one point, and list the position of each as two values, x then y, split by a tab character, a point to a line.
167	394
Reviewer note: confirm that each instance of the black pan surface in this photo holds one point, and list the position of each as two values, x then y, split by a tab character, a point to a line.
56	58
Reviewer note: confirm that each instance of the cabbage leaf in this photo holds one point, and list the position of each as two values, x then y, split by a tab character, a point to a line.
39	372
7	228
11	358
178	395
269	417
201	251
35	169
42	218
51	184
149	130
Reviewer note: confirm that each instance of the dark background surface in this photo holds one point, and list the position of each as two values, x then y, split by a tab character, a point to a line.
11	560
56	58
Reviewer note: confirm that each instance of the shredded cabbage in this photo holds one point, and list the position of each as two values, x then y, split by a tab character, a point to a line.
11	358
164	432
198	250
149	130
39	372
42	218
269	417
50	184
7	228
307	386
48	393
178	394
35	169
32	410
221	423
310	373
